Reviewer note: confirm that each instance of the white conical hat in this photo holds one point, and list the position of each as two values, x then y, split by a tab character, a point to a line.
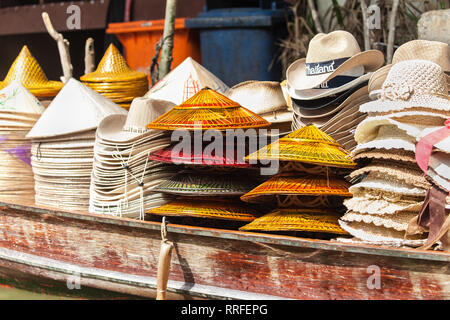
75	109
16	98
184	81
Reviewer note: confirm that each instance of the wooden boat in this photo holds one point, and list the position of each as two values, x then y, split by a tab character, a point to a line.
120	255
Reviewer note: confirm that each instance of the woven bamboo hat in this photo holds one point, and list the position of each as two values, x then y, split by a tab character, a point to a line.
225	209
307	144
184	81
330	55
27	70
435	51
75	109
307	220
189	157
113	68
210	110
202	184
411	84
291	183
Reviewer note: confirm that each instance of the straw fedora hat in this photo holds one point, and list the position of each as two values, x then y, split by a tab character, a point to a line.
330	55
435	51
133	126
184	81
259	96
412	84
75	109
27	70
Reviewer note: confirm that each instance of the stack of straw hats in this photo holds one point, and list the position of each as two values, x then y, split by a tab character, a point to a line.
414	97
115	80
328	86
185	81
123	177
265	98
19	111
308	192
63	146
435	51
27	70
211	194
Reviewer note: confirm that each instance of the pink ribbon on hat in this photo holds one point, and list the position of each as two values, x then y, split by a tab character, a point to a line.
425	145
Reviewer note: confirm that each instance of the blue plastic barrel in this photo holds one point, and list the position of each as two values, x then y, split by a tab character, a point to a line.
240	44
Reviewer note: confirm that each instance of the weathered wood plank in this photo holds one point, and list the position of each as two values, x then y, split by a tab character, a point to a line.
279	266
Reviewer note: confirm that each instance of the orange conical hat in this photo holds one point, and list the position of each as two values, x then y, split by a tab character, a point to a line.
113	68
291	183
208	109
307	144
27	70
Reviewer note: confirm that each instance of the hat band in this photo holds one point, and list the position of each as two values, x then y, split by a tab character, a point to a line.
335	82
316	68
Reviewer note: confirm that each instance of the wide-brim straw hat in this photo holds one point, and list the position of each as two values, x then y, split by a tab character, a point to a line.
202	184
388	137
439	170
185	81
113	68
216	208
378	234
130	128
442	145
412	123
399	155
410	84
409	174
328	56
435	51
306	220
27	70
259	96
383	203
293	183
377	182
208	109
74	110
398	222
308	144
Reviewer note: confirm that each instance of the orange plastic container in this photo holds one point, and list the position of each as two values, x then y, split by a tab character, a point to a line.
140	37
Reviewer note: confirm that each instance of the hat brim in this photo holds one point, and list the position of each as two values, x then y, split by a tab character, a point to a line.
296	76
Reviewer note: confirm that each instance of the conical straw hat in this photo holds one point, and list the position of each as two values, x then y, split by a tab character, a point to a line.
207	208
16	98
291	183
75	109
307	220
208	109
308	144
28	71
113	68
185	81
202	184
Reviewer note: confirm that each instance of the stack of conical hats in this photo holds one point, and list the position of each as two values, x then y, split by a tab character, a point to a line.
214	194
123	177
27	70
184	81
19	111
308	191
63	146
115	80
390	189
